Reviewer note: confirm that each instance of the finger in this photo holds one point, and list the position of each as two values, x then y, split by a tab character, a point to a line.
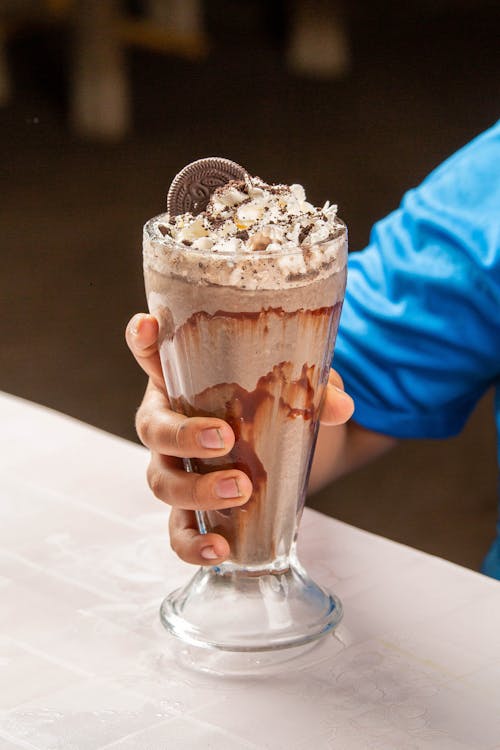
190	545
338	406
165	431
335	379
141	335
191	491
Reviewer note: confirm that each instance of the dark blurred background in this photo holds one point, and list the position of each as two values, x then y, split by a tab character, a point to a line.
103	102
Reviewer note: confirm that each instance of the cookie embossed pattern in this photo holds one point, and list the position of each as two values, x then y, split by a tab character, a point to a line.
191	189
247	287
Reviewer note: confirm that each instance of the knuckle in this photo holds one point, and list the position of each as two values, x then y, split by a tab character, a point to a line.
143	426
155	480
173	437
196	487
174	544
181	435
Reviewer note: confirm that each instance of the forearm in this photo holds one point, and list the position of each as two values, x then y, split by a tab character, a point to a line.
342	449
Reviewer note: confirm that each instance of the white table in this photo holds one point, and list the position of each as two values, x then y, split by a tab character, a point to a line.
84	664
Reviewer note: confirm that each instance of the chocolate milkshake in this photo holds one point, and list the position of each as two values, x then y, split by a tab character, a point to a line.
248	294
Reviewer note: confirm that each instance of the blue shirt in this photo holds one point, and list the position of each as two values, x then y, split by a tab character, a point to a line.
419	338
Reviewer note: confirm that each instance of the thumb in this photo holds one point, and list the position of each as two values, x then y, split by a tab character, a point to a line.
338	406
141	335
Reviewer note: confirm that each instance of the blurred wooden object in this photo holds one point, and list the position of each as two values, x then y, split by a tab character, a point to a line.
100	100
183	17
98	83
99	91
318	44
169	26
99	95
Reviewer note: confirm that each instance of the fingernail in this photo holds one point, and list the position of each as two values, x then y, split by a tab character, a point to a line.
134	328
208	553
227	488
211	438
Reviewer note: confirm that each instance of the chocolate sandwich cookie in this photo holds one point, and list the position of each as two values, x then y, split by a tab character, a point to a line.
191	189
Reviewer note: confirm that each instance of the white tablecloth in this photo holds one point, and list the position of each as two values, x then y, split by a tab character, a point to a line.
85	665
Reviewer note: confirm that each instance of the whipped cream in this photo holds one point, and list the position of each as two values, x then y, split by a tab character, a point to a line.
251	216
251	235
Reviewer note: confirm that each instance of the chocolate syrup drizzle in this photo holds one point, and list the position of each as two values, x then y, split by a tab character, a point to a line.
254	530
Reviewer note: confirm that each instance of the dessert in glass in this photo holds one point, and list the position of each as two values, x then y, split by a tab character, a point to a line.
247	286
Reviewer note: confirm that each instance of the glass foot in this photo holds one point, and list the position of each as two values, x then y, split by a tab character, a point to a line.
255	664
247	611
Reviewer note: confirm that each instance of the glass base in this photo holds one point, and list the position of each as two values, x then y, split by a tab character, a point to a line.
256	664
246	611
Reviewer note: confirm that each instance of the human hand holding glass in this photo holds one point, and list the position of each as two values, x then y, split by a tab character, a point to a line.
171	436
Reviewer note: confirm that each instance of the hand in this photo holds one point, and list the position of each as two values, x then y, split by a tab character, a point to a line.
171	436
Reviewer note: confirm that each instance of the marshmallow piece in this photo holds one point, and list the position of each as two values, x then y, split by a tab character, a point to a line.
249	213
298	192
203	243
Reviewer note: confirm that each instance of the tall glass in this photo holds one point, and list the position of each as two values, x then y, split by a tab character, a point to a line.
252	347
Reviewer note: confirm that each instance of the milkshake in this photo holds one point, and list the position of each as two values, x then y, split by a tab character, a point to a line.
248	294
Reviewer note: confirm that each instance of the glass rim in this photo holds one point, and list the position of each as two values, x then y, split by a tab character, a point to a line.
339	230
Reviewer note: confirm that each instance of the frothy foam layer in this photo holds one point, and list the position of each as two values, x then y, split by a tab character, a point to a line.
251	235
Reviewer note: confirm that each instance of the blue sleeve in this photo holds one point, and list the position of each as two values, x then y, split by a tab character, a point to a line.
419	338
